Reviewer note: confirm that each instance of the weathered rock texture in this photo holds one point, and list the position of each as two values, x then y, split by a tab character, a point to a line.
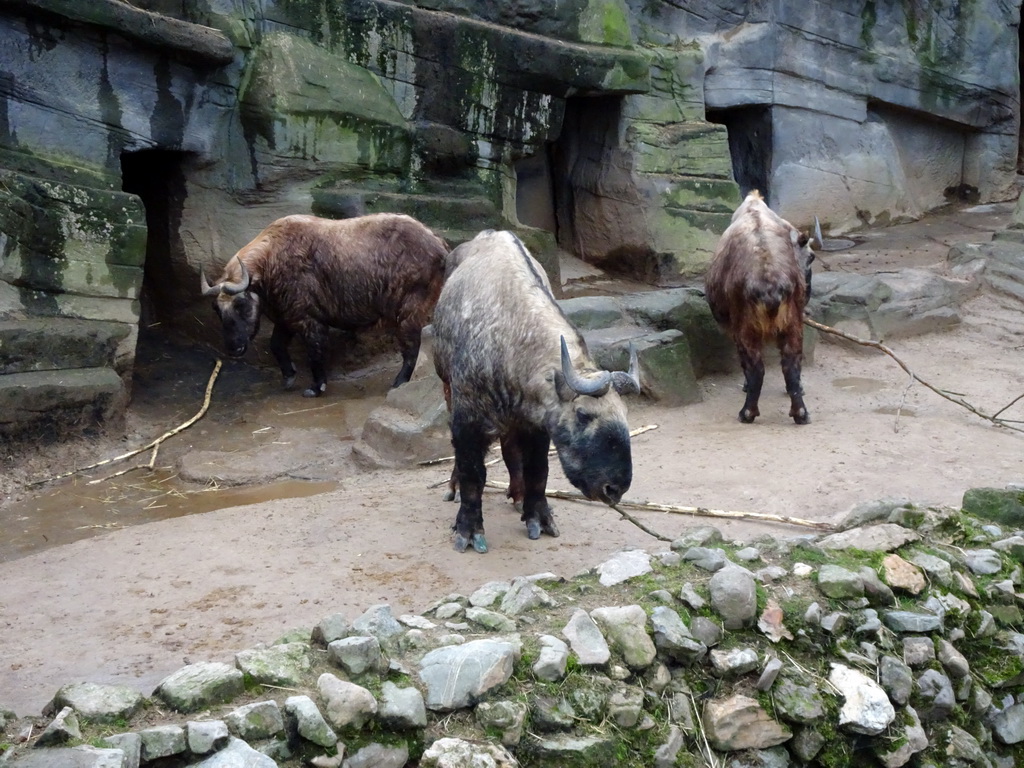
140	141
942	683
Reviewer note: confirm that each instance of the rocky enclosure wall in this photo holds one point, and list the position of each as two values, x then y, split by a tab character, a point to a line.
141	141
896	641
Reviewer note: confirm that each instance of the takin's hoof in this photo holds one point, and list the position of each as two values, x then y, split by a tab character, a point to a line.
315	391
289	382
462	543
803	417
747	417
452	494
533	529
549	528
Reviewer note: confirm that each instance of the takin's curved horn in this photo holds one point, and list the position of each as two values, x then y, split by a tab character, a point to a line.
817	234
232	288
628	383
208	290
594	386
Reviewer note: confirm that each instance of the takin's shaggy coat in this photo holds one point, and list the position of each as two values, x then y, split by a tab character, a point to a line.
309	275
757	286
515	369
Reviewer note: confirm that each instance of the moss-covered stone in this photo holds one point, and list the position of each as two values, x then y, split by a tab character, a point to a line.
605	22
305	102
1001	505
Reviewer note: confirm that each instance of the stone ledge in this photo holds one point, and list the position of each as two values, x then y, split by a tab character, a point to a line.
190	41
55	402
54	343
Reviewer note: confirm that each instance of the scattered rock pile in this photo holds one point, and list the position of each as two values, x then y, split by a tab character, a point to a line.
895	641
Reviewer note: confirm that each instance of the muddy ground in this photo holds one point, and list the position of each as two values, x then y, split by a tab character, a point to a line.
127	579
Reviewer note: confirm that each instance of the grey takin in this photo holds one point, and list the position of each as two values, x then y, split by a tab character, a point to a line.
309	275
757	286
514	369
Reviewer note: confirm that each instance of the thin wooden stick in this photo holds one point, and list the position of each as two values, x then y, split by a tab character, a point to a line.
640	525
676	509
899	408
581	497
551	452
155	444
1013	402
882	348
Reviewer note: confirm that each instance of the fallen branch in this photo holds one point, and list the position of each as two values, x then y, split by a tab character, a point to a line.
581	497
882	348
551	452
675	509
154	445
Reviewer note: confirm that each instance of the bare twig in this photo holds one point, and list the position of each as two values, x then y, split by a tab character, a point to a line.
899	408
675	509
640	525
1009	405
551	452
492	462
882	348
155	444
708	754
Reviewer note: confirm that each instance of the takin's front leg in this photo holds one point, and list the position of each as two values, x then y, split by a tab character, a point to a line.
279	341
317	341
791	347
753	374
470	445
537	514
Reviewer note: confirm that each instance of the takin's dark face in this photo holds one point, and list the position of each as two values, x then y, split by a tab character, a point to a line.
591	435
240	317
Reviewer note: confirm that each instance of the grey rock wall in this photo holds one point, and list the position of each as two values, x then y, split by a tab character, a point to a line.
622	131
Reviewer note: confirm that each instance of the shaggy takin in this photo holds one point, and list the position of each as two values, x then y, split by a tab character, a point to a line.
757	287
309	275
516	370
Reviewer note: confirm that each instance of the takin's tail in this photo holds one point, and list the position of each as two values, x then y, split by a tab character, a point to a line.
771	313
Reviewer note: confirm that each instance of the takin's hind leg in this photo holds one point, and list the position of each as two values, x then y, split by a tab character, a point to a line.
537	512
512	453
409	336
452	494
753	375
470	445
791	347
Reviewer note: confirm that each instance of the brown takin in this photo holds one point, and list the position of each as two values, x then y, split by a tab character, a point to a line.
757	286
309	275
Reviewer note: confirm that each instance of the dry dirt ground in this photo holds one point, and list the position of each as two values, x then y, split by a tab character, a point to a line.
97	587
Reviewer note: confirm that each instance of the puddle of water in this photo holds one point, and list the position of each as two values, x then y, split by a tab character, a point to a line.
78	510
859	384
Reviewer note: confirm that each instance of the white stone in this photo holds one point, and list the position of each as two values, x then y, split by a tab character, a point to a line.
623	566
866	708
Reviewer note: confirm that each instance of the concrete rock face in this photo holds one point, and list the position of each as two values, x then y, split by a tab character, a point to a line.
194	124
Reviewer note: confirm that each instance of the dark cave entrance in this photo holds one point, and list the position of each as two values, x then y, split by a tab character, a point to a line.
560	189
581	188
157	176
535	192
750	145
